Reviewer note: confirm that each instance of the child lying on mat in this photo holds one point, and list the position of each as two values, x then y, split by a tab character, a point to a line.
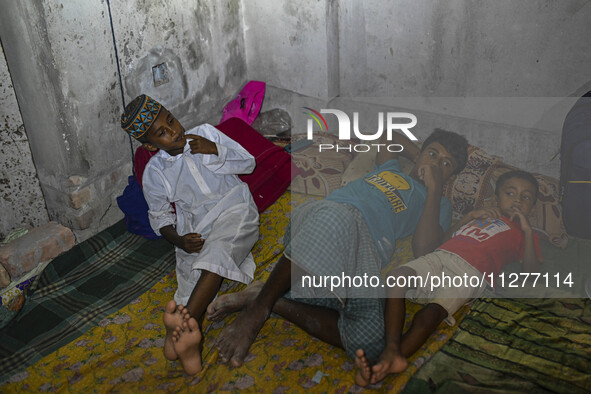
480	244
216	222
353	231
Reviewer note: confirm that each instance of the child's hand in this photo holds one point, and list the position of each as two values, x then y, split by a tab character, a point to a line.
200	144
431	176
486	213
192	243
523	221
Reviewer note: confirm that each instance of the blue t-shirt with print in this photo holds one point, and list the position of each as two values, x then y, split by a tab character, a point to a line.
391	203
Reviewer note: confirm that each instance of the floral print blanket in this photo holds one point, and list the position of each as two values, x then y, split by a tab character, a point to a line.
122	351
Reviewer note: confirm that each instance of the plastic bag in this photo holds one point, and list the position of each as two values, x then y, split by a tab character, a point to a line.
275	122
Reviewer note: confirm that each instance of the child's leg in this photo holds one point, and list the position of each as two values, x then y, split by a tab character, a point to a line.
424	323
235	340
318	321
203	293
392	359
187	338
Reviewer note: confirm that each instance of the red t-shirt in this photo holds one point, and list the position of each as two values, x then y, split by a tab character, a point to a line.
488	245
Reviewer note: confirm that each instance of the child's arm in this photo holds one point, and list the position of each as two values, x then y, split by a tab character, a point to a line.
428	234
485	213
161	215
222	154
409	149
530	257
190	243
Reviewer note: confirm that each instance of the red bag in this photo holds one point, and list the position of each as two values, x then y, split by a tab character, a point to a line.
274	170
248	103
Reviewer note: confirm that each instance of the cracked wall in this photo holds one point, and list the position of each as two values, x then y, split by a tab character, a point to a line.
21	199
63	64
64	72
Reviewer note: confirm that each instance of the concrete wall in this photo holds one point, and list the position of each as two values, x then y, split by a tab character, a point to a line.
62	61
456	48
293	44
421	50
200	41
21	200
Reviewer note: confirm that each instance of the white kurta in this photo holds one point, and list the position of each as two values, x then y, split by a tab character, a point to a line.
210	200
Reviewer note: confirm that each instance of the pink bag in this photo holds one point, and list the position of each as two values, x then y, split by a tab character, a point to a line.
248	103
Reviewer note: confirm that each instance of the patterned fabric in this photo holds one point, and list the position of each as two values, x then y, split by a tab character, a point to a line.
472	185
326	238
78	289
321	172
123	351
510	345
139	115
332	239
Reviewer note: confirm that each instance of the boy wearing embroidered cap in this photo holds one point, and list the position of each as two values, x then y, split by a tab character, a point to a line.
214	223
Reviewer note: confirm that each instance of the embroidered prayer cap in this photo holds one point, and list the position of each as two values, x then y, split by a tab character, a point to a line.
139	115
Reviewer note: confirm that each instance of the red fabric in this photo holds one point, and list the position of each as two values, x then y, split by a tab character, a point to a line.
274	169
140	159
489	245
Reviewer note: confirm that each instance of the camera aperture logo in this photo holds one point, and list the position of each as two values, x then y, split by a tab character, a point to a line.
392	123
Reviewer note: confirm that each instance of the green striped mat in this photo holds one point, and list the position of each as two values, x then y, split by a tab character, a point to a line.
78	289
514	345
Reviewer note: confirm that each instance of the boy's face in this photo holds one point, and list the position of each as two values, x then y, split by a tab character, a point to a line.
435	154
516	194
166	133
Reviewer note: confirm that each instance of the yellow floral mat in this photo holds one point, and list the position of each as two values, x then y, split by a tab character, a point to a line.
124	352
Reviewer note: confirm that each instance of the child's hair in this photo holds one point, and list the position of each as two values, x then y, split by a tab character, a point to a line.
526	176
455	144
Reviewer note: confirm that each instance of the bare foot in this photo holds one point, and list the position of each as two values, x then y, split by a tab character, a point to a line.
235	340
233	302
187	345
363	375
390	361
174	316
